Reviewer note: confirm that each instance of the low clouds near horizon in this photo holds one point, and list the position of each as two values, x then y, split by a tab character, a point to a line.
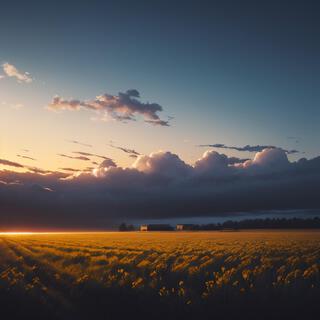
122	107
159	185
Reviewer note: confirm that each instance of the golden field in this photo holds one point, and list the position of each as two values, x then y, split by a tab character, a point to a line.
182	270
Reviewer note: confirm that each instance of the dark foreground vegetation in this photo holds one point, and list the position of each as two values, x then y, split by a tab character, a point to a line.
243	275
94	301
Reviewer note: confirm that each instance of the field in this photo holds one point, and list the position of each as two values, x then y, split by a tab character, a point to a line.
256	274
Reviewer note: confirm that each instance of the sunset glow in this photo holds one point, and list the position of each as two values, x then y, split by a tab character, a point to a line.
160	160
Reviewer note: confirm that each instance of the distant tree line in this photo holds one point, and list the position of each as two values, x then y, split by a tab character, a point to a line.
268	223
124	227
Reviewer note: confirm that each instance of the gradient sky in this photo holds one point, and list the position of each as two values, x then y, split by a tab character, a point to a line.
229	72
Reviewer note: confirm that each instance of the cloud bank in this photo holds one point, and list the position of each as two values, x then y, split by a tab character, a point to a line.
123	107
159	185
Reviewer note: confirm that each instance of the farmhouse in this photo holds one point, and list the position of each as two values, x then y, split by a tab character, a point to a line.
156	227
182	227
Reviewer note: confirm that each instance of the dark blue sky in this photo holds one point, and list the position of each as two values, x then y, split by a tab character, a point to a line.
253	64
242	71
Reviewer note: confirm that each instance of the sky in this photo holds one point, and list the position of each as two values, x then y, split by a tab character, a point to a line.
94	94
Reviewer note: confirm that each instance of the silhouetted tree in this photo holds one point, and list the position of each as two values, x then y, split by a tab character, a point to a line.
268	223
123	227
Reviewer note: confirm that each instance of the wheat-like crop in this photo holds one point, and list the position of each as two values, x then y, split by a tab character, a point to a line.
189	267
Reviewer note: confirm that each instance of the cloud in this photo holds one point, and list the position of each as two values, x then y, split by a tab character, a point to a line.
11	71
131	152
160	185
80	143
271	157
163	164
235	160
44	172
107	163
104	166
26	157
16	106
211	161
247	148
83	158
123	107
158	122
69	169
31	169
11	163
88	154
268	161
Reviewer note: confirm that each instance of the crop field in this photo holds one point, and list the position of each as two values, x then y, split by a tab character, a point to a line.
161	275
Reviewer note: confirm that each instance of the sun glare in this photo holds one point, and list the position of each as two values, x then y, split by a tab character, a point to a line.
10	233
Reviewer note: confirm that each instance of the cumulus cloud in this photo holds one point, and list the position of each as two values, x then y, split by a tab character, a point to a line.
107	163
270	158
122	107
104	166
162	163
247	148
267	161
11	71
161	185
211	160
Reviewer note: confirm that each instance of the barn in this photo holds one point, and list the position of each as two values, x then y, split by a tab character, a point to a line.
156	227
184	227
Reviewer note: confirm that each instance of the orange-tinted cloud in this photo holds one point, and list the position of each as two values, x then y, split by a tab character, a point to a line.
11	71
160	185
123	107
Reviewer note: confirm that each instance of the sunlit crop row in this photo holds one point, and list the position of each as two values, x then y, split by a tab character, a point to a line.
190	267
